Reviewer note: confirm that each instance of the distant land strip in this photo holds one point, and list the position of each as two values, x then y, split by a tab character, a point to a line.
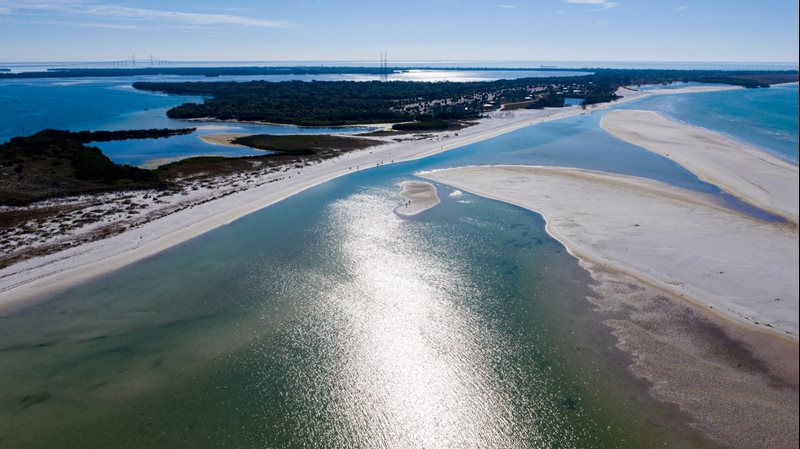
342	103
78	72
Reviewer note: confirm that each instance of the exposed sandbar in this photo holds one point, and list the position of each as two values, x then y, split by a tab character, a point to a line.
675	239
224	139
759	178
421	196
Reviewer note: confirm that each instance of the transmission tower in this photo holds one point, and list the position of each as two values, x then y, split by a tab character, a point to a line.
384	70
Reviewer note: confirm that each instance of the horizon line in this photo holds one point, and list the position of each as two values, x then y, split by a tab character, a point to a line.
409	61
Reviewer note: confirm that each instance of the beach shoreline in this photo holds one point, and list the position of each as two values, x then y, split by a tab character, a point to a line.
46	274
748	173
498	182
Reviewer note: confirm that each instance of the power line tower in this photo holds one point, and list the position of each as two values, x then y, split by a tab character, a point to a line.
384	70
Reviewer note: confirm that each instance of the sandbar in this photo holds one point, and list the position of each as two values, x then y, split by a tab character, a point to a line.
224	139
754	176
421	196
678	240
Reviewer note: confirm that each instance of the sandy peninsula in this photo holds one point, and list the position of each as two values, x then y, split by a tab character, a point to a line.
678	240
420	196
42	274
756	177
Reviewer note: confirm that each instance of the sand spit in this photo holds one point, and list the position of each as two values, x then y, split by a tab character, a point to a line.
675	239
748	173
224	139
421	196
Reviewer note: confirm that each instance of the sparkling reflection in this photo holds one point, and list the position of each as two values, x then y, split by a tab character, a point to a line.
398	355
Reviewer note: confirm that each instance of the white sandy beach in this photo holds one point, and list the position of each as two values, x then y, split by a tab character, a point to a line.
757	177
40	275
674	239
420	195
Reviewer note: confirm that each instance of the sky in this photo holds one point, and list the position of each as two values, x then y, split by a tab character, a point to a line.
409	30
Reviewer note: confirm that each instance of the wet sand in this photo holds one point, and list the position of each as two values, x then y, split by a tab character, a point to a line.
737	386
420	195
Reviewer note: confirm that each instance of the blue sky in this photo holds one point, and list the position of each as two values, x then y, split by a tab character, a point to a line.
411	30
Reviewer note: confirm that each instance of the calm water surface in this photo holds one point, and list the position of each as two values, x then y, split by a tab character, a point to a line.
328	321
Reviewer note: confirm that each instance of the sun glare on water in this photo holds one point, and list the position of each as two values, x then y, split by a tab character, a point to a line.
397	355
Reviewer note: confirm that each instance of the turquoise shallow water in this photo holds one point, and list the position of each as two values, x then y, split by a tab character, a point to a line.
766	118
328	321
576	142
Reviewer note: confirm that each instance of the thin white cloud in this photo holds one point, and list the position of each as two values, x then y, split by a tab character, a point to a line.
600	5
501	5
141	14
111	26
681	8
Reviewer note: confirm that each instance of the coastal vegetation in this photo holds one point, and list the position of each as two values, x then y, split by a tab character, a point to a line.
334	103
291	151
338	103
547	101
55	163
108	136
426	125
